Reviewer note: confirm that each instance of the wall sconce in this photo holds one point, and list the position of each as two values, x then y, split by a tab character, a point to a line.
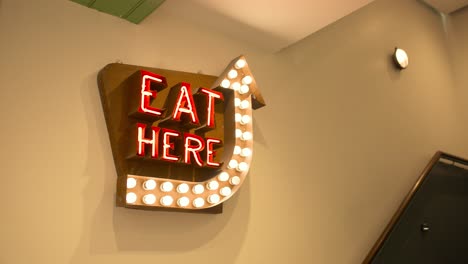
400	58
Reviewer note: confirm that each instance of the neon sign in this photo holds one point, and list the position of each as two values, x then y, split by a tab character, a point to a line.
173	148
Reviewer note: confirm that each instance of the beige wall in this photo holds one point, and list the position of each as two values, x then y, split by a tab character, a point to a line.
457	26
342	139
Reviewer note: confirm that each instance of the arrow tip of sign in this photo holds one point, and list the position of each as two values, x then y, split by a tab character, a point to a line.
240	66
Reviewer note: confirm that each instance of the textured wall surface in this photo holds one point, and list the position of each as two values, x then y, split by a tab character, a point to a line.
341	141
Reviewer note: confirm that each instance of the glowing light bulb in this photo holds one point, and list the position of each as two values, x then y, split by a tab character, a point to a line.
198	202
242	166
167	186
149	199
131	197
247	80
237	150
225	191
401	58
198	189
212	185
245	119
240	64
183	188
232	74
131	183
238	133
167	200
225	83
244	104
233	164
246	135
244	89
213	199
236	86
235	180
223	176
183	201
149	185
237	117
246	152
237	102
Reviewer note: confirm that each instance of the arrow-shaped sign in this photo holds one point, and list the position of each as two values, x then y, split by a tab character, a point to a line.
241	96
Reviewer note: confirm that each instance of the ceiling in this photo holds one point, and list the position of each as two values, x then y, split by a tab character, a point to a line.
272	24
276	23
447	6
290	20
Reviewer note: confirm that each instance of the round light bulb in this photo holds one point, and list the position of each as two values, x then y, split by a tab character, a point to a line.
198	189
247	80
149	199
240	64
236	86
245	119
198	202
246	135
233	164
244	104
237	150
244	89
149	185
235	180
225	83
401	58
167	200
213	199
183	188
246	152
225	191
223	176
183	201
238	133
131	183
131	197
237	102
212	185
238	117
242	166
167	186
232	74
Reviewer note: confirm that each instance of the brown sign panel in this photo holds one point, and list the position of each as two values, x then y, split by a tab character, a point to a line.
180	141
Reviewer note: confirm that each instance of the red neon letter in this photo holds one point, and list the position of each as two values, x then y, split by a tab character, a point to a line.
167	145
142	141
210	153
185	104
211	96
195	149
147	93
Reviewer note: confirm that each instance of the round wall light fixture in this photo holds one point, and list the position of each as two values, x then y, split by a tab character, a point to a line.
401	58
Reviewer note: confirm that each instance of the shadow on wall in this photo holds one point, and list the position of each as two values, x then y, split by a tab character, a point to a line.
107	229
137	230
394	73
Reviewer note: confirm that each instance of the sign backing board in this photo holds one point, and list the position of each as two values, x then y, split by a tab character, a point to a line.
137	110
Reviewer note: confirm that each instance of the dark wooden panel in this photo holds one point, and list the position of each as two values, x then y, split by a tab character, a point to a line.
430	226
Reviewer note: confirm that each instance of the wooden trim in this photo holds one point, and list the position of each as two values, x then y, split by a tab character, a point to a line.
454	158
378	245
